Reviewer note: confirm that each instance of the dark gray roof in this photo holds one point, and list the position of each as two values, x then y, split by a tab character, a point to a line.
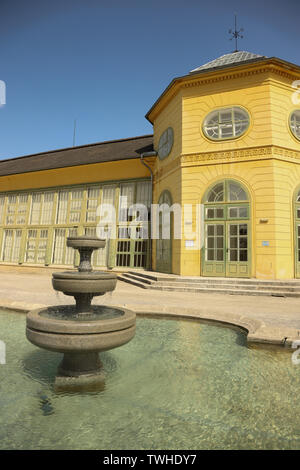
108	151
229	59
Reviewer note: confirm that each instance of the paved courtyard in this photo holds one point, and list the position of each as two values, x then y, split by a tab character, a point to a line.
268	319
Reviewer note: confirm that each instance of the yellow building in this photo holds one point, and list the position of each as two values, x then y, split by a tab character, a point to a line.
227	138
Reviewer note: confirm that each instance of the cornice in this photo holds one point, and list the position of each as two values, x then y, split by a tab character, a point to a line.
239	74
268	152
263	152
224	77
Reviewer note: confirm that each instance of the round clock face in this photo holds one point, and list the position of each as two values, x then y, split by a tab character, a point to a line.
165	143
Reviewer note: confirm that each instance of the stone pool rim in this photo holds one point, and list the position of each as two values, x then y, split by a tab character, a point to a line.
257	331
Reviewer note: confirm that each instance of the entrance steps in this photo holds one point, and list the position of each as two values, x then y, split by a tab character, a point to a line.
233	286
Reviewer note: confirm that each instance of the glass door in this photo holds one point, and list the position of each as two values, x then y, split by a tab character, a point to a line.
226	249
214	262
237	250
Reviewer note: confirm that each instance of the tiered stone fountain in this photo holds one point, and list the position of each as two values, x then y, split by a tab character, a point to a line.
81	331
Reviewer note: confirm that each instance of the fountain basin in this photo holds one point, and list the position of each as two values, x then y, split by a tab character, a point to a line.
94	282
85	242
80	339
46	330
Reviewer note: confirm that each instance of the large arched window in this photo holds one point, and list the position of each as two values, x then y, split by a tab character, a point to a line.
227	191
226	123
164	245
226	249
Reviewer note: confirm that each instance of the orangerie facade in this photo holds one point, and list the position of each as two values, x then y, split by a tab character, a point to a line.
226	135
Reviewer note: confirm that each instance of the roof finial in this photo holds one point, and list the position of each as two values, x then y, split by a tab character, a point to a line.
236	34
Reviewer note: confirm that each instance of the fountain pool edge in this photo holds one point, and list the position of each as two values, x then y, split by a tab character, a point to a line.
257	331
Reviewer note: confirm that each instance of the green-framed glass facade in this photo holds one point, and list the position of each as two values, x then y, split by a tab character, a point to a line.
34	224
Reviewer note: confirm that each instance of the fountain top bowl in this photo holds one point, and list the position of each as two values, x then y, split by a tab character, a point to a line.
85	241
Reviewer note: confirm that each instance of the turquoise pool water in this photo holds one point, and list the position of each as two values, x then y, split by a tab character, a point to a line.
176	385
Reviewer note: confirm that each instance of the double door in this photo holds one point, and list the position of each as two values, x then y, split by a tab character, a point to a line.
226	249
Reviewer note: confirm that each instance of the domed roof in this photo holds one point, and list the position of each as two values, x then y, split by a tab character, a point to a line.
229	59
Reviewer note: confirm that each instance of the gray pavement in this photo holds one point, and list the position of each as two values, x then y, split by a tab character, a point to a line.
268	319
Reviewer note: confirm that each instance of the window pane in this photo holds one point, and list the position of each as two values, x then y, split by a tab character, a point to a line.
233	242
220	213
243	229
226	130
220	230
233	212
211	231
216	194
236	192
243	212
243	255
35	208
243	242
225	116
210	242
220	242
62	207
240	128
233	230
47	208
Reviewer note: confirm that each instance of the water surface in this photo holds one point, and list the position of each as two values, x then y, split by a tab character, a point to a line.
176	385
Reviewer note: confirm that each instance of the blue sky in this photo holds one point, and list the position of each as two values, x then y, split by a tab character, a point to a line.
104	63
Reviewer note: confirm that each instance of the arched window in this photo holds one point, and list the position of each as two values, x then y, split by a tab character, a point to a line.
164	245
226	123
226	191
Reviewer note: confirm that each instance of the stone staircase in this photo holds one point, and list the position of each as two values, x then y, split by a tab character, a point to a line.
233	286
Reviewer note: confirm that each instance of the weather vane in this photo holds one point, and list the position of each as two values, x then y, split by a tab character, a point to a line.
236	34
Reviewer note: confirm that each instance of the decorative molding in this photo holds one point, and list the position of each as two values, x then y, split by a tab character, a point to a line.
229	156
270	151
286	153
239	74
240	154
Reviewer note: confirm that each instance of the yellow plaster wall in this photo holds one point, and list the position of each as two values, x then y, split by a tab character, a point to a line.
96	172
172	183
170	116
257	177
282	105
252	93
286	181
